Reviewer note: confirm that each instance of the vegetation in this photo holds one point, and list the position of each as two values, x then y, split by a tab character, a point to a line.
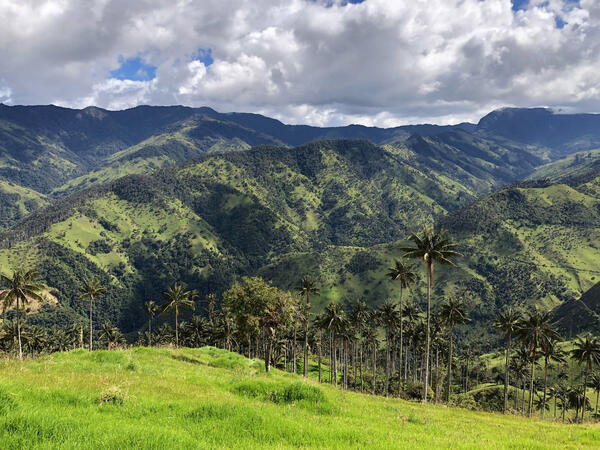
217	399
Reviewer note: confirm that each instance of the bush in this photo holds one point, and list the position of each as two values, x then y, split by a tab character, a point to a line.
112	396
465	401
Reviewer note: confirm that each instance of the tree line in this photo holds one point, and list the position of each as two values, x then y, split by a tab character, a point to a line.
395	349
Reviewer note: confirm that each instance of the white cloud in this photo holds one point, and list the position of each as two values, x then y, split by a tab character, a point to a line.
379	63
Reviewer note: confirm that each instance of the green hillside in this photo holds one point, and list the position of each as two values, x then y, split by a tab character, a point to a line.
231	214
208	398
531	243
16	202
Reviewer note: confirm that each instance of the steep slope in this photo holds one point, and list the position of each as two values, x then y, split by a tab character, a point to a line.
16	202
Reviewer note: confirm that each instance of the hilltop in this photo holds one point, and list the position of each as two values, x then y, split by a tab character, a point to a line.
208	398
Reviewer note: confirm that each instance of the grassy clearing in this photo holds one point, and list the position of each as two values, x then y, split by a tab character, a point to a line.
208	398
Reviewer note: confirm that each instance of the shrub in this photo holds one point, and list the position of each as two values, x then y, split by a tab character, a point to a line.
112	396
465	401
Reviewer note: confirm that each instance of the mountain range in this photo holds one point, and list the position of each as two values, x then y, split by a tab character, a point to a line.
143	197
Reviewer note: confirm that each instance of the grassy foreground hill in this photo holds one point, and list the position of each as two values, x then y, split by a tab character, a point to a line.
209	398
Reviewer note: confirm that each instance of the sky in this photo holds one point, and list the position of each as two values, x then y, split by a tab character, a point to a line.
319	62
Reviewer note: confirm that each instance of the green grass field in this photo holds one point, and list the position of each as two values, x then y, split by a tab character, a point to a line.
208	398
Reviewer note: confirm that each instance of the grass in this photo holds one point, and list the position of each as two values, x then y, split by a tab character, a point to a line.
208	398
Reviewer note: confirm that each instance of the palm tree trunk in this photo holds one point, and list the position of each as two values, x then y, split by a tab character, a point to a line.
530	403
294	355
268	355
437	375
374	368
319	358
429	282
91	323
387	361
176	327
306	339
449	380
597	394
19	329
545	384
584	394
150	332
401	336
506	377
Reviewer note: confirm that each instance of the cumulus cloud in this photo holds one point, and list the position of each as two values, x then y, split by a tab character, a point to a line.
322	62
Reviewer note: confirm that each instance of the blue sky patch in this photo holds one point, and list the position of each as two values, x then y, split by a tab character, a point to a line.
519	4
134	69
204	55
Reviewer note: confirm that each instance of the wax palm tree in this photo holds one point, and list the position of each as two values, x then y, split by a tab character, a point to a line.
507	323
22	287
551	353
432	247
359	317
595	385
151	308
178	297
307	288
405	276
333	320
388	318
91	289
586	352
536	332
452	312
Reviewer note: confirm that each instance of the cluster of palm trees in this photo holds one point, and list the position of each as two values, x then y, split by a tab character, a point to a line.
394	349
540	342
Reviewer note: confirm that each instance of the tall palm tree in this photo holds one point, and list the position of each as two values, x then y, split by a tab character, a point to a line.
91	289
595	385
150	307
307	288
536	332
507	323
586	352
405	276
177	297
452	312
550	352
387	317
22	287
432	247
333	320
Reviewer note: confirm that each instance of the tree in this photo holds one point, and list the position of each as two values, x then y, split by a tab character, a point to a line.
432	247
550	352
452	312
586	352
595	385
178	297
405	276
508	324
261	307
387	316
22	287
333	320
307	288
91	289
150	307
536	332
